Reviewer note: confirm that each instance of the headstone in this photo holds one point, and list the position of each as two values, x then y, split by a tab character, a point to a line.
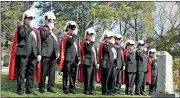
163	95
165	78
6	60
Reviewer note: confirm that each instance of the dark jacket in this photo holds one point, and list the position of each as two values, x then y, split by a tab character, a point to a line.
48	43
34	44
23	34
131	65
142	61
119	62
89	57
108	56
154	68
70	51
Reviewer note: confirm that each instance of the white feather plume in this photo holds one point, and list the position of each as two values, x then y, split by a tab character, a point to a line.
88	31
50	15
28	13
70	22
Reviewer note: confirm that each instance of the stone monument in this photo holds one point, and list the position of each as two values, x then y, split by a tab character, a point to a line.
165	78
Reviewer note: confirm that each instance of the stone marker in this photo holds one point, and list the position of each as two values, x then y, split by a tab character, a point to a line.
165	78
163	96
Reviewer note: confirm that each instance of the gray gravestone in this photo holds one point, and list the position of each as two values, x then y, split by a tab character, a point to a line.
6	60
163	95
165	78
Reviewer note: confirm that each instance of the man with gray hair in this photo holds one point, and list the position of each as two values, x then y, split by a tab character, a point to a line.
50	52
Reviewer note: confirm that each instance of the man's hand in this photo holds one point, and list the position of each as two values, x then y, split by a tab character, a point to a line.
39	58
58	56
97	66
88	42
79	62
70	36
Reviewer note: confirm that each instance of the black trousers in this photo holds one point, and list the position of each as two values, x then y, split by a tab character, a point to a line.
89	78
108	78
144	82
139	82
26	69
48	68
130	81
118	77
69	72
153	86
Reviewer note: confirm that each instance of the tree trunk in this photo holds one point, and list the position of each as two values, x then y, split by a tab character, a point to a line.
135	28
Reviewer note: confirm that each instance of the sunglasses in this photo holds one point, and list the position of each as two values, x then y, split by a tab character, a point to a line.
141	44
90	33
117	38
29	18
50	20
72	27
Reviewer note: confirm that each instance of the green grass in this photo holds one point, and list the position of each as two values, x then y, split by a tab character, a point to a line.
8	89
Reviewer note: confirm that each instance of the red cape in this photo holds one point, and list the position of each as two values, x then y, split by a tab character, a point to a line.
99	71
80	70
149	75
62	48
125	53
13	66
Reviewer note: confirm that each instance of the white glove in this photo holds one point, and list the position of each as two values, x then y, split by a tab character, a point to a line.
58	56
97	66
116	67
123	67
93	38
88	42
79	62
134	50
39	58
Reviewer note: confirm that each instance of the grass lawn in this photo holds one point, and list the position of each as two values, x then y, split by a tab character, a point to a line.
8	89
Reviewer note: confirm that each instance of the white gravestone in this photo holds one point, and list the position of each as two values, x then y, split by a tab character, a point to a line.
165	78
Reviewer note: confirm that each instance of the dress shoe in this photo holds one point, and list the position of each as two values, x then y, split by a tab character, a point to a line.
51	90
86	93
143	94
131	94
32	93
92	93
41	90
137	94
20	92
115	92
66	92
104	93
111	94
72	91
118	92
